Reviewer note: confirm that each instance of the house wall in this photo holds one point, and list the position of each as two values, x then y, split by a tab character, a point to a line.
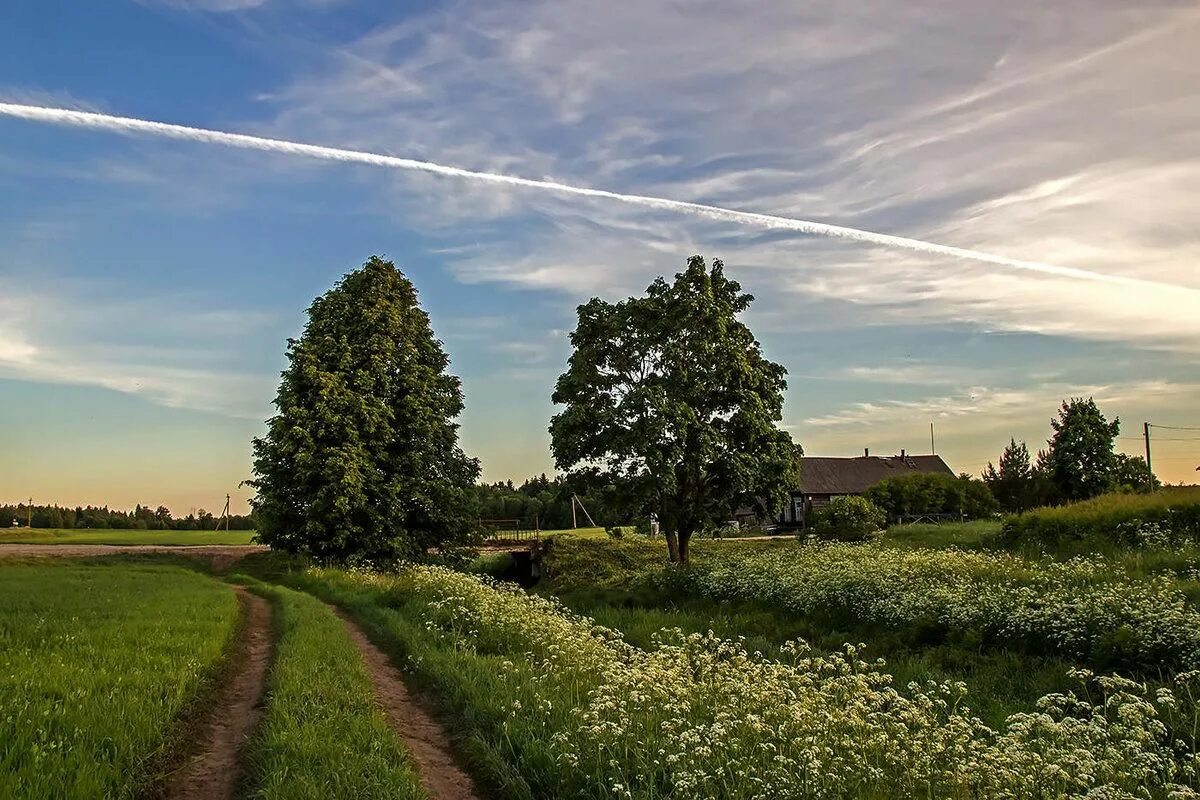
800	506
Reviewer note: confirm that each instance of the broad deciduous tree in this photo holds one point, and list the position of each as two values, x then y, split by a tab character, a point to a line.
1081	457
668	398
361	460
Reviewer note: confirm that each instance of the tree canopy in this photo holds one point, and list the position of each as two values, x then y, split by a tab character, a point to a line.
1081	456
932	493
668	398
1015	484
361	460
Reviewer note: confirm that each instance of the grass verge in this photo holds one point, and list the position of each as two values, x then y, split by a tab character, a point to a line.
979	534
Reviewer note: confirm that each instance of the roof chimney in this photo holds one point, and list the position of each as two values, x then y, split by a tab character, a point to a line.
867	453
902	454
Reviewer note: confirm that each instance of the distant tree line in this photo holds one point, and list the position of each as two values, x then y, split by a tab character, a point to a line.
545	503
142	518
1080	461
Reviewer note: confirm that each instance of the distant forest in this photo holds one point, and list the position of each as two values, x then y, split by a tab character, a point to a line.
539	501
90	517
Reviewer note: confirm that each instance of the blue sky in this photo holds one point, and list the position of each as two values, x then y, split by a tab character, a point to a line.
147	285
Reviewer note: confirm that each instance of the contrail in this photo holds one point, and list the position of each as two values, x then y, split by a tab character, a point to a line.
128	125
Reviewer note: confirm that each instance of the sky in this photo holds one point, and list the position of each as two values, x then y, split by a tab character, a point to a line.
148	284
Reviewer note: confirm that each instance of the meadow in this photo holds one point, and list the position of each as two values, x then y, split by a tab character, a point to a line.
122	537
1110	522
927	662
97	666
557	706
1084	609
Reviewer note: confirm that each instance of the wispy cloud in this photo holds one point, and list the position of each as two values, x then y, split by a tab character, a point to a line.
207	5
969	124
33	347
771	222
997	405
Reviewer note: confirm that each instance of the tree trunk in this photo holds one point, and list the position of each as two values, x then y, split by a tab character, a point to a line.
684	538
672	547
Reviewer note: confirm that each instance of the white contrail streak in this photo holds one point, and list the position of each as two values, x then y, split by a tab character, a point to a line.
127	125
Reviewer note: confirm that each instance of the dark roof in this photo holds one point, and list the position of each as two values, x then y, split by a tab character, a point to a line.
855	475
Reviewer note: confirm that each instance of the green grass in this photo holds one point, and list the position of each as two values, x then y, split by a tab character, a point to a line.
322	735
119	537
977	534
97	665
473	689
1108	522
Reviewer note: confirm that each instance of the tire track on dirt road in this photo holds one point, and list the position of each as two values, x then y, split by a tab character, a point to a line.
425	738
212	766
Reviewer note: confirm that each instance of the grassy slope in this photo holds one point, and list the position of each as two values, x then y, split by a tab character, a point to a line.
95	665
64	536
322	735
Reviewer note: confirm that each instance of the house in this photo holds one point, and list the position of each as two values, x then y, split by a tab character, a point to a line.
822	479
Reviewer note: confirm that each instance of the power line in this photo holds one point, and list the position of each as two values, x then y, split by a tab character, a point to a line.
1173	427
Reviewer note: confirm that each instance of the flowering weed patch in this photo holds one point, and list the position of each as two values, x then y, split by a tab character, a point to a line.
1097	612
563	708
1081	609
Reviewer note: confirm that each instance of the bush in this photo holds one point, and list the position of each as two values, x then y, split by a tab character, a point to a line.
933	493
1166	518
848	518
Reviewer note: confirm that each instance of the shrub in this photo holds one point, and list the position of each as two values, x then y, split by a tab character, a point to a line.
1165	518
848	518
932	493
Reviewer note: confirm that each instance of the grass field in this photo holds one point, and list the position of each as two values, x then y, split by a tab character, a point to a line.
96	666
117	537
322	735
926	663
557	707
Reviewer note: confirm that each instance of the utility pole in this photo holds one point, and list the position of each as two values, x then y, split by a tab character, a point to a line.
1149	469
575	499
224	516
29	514
574	522
932	449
